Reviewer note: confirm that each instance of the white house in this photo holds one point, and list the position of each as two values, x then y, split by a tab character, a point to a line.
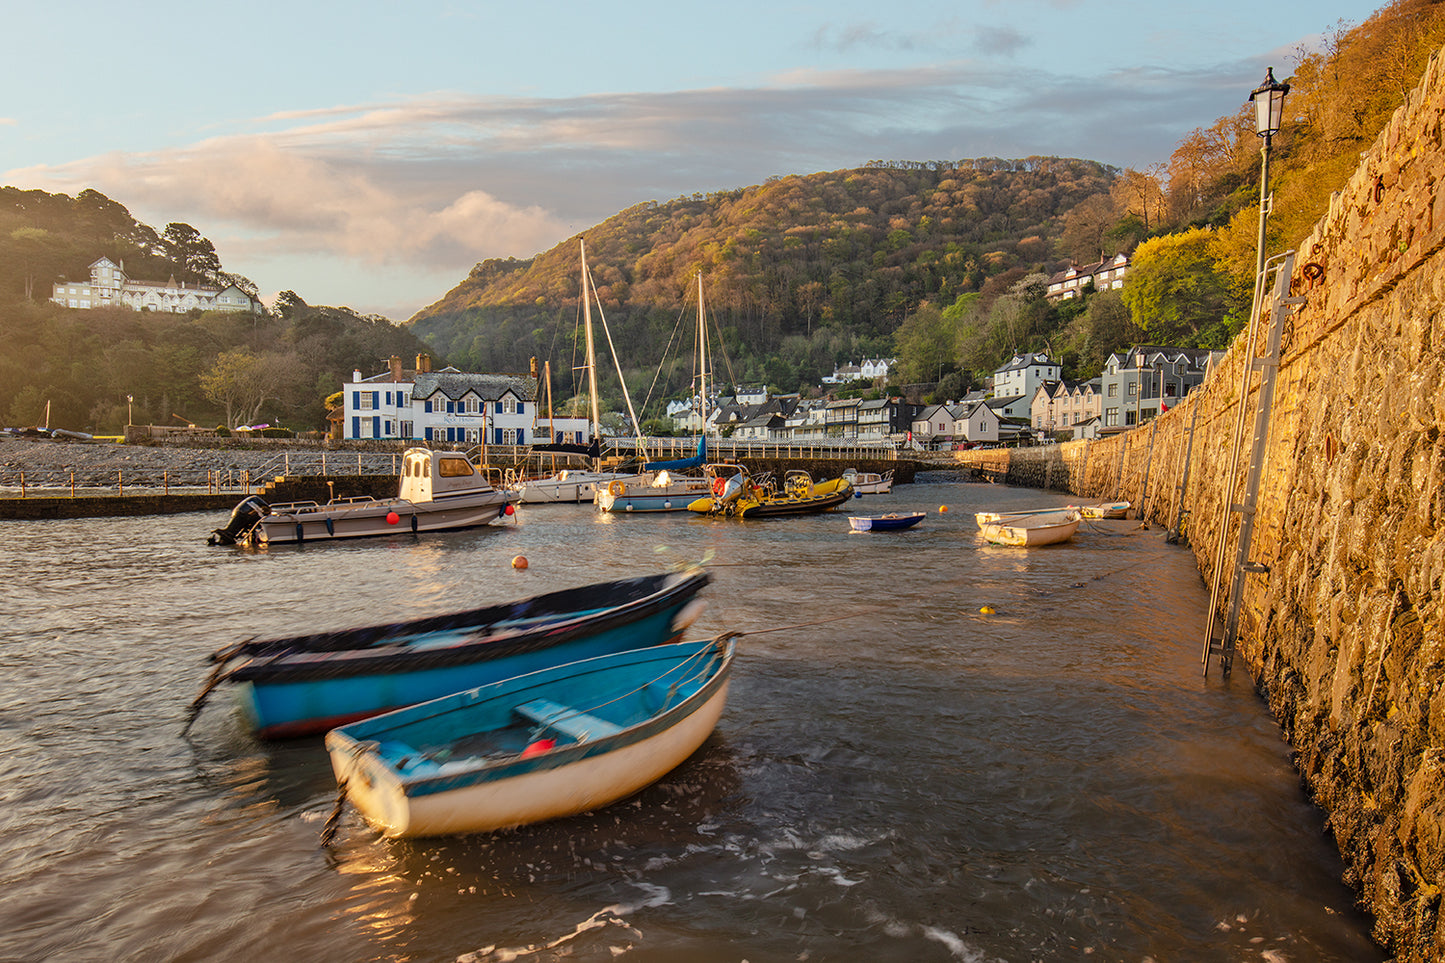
1023	375
110	287
445	406
976	423
869	370
1105	275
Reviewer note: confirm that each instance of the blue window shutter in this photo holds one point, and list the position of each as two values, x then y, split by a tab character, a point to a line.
499	407
376	399
376	426
356	399
355	427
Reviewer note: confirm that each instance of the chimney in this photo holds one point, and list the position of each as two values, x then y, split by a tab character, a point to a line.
423	363
395	369
356	376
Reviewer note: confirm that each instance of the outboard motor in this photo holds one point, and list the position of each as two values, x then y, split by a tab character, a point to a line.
243	518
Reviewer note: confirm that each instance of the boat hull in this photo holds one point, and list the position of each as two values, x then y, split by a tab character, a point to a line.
569	487
1032	535
1106	510
306	692
884	523
370	518
1026	517
402	796
626	499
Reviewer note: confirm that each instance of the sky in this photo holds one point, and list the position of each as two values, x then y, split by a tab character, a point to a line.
368	153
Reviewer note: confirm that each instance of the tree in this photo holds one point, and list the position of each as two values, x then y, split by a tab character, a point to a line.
33	245
191	252
1173	289
242	382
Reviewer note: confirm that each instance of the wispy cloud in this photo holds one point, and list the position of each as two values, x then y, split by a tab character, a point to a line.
436	183
8	121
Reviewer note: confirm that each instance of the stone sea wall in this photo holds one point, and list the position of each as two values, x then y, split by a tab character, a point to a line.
1343	633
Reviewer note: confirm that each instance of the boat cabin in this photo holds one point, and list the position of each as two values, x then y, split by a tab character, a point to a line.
428	475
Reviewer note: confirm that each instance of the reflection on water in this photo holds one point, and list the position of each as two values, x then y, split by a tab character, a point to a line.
897	776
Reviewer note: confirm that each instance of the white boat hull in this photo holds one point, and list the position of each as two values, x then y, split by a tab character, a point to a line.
358	519
587	784
569	487
1039	516
1030	536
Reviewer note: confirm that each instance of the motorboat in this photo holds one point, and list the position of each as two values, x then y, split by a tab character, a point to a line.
439	491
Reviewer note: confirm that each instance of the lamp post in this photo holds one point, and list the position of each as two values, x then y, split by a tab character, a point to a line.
1268	100
128	419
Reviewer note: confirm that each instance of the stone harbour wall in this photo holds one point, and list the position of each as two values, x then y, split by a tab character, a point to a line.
1343	633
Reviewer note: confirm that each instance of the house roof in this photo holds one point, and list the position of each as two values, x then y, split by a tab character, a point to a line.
1023	361
454	385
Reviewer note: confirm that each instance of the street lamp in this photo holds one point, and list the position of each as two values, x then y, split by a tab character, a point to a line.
128	420
1268	100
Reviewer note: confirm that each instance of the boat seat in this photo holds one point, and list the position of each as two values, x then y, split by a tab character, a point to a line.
568	721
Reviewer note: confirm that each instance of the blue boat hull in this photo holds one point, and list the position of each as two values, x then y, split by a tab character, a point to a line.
307	684
312	706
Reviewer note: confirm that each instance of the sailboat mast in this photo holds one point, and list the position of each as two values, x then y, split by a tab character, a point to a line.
551	426
591	352
701	358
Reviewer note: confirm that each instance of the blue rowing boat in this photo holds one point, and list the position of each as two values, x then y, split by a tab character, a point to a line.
884	523
553	743
307	684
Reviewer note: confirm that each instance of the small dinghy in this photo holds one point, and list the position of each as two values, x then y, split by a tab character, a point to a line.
884	523
541	746
1105	510
1034	531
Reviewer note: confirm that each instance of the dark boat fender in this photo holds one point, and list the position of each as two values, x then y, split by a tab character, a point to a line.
244	517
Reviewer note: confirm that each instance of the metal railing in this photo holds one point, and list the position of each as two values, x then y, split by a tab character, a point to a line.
110	480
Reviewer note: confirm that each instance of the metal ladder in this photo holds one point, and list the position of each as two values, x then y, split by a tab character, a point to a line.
1280	305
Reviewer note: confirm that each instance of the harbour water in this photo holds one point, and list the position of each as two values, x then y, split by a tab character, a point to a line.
897	775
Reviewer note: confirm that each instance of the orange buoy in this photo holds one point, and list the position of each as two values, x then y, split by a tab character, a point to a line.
509	509
392	518
519	562
987	610
942	508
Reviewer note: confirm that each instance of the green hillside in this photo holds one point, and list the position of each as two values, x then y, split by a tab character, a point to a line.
799	273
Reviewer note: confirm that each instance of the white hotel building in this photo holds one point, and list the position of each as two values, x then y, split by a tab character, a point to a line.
110	287
449	407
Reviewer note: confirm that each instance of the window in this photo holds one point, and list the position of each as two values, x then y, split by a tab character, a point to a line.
1133	388
509	435
365	401
454	467
509	407
1113	389
1111	417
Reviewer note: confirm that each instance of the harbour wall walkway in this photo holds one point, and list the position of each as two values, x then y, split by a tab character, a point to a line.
1342	633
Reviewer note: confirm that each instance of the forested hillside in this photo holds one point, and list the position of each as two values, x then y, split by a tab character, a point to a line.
205	367
799	272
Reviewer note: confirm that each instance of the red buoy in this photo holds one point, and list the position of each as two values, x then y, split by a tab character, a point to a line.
392	518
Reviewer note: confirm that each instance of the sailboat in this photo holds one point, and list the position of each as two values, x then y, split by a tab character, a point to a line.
570	484
659	489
